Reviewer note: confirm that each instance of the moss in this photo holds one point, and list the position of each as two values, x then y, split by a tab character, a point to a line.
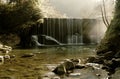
110	42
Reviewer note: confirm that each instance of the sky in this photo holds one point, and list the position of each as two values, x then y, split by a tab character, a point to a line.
78	8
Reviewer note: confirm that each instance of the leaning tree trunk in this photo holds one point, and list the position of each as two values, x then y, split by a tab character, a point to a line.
111	41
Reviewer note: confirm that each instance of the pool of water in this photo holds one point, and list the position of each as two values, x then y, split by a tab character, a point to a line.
60	53
36	66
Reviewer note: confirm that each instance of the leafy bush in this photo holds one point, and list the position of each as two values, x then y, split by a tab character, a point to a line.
19	15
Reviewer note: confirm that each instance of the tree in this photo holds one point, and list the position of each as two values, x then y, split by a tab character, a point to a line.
19	16
108	50
14	16
111	40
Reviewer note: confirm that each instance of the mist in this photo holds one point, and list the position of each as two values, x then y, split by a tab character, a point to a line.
89	9
82	8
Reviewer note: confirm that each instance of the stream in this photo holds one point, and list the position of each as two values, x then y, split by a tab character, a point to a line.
40	63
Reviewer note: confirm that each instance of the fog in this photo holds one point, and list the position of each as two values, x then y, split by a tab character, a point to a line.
82	8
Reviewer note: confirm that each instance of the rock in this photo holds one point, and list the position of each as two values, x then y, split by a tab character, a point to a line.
7	57
5	49
98	75
111	65
46	78
117	55
51	67
90	59
76	61
27	55
109	55
79	66
49	75
66	67
56	77
74	74
94	65
12	56
98	60
1	60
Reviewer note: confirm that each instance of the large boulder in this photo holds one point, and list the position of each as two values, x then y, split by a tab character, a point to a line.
67	66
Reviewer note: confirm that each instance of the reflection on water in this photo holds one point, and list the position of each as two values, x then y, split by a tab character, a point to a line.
60	53
55	55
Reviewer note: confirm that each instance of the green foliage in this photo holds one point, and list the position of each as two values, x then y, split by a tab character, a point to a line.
20	15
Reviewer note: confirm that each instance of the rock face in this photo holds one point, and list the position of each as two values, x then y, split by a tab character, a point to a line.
110	61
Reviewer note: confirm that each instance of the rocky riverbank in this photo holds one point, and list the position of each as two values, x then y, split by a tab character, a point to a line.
40	64
33	63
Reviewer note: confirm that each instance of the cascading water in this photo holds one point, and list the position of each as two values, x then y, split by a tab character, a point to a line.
74	34
81	35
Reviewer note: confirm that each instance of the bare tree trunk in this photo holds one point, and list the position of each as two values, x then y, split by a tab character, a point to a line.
104	15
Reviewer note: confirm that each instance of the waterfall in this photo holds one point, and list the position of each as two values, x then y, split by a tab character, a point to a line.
81	34
68	31
59	25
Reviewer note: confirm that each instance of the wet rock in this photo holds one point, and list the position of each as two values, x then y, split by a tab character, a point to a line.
117	74
56	77
27	55
90	59
51	67
98	75
74	74
80	66
46	78
111	65
66	67
94	65
12	56
98	60
117	55
49	75
109	55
